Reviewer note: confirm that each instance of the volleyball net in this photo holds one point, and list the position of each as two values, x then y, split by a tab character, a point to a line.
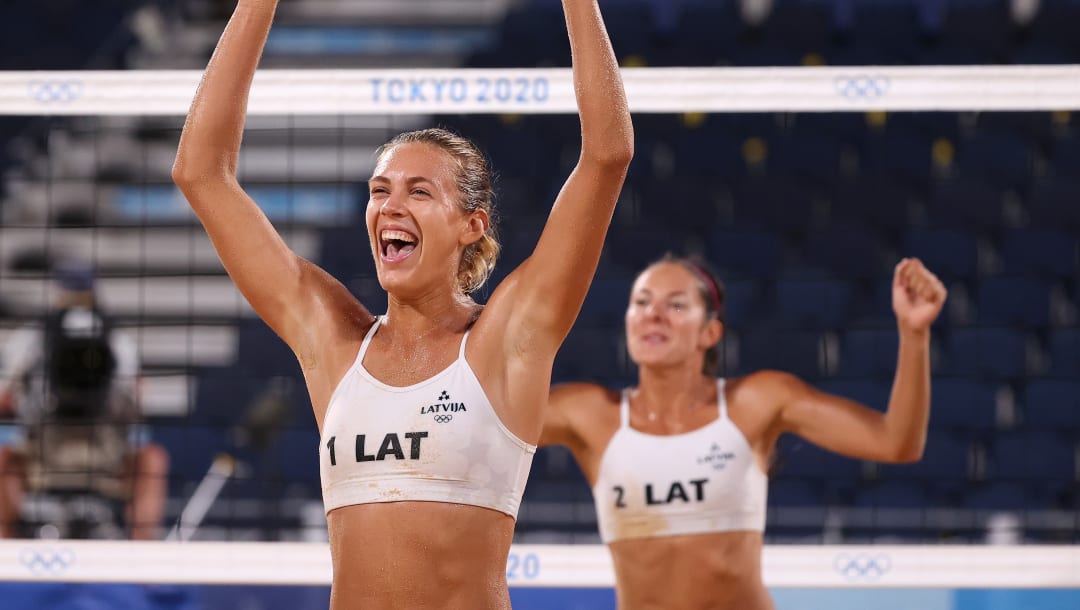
803	186
538	565
536	90
290	575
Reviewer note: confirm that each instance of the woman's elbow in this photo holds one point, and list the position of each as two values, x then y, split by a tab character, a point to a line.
908	453
191	175
615	148
184	172
622	155
612	155
181	176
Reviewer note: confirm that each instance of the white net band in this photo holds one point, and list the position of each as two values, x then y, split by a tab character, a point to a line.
280	563
463	91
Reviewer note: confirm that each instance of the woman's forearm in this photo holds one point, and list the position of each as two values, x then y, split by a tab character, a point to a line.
210	143
606	131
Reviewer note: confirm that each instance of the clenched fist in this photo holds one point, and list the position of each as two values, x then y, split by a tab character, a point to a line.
917	295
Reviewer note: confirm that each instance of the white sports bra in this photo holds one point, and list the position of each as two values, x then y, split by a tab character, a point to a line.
438	440
698	482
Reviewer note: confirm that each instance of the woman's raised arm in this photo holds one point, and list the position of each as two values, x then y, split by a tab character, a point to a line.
549	288
290	294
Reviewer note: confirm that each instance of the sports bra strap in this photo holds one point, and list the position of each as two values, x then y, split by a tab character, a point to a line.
624	409
464	340
721	398
379	320
367	338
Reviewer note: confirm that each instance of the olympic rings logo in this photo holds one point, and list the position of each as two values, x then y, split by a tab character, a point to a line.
55	91
862	86
862	566
443	418
47	561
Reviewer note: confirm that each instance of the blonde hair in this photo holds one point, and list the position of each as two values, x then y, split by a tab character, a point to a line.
474	182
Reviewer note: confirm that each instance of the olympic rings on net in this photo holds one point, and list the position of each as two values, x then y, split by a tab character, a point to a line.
862	86
862	566
47	561
55	91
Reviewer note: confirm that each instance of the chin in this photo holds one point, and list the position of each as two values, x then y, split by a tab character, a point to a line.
647	360
403	283
665	359
394	281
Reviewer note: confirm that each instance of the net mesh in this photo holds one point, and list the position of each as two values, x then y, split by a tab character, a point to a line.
803	207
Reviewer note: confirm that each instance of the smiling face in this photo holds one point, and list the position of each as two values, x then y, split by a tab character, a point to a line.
667	321
415	223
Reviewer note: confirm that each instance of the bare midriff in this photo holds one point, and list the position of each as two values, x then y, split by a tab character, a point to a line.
695	572
419	555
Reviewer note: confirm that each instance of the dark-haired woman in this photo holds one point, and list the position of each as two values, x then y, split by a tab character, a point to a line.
678	464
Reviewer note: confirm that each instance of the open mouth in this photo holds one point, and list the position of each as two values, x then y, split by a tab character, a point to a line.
396	245
654	339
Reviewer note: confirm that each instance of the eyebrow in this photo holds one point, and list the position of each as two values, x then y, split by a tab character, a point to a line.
680	293
409	181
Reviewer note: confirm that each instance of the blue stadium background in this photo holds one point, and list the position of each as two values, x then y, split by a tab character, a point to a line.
803	214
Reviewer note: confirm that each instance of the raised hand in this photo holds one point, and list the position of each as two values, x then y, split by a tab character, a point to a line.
918	295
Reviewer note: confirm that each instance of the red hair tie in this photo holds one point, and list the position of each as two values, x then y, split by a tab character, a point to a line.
714	290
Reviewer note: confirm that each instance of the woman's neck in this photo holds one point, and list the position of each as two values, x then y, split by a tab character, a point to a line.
439	312
672	393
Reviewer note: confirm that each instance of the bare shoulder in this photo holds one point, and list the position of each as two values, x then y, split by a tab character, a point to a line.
588	397
497	313
590	409
581	416
336	296
764	384
489	327
337	325
766	390
340	305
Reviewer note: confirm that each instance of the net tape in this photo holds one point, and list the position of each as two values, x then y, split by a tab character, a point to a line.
281	563
535	90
